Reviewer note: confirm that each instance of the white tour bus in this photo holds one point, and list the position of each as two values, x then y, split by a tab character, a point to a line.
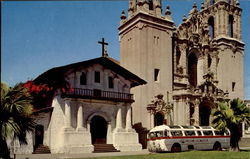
182	138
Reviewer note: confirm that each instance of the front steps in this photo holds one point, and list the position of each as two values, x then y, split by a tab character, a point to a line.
98	148
42	149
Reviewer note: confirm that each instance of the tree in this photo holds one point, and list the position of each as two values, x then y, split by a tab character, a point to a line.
230	115
15	116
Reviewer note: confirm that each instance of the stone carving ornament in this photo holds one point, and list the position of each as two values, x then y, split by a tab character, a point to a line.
159	105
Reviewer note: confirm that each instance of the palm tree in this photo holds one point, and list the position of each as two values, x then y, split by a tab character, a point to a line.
15	116
230	115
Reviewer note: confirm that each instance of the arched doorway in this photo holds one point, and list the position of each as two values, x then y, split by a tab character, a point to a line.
192	69
39	133
205	112
98	129
159	119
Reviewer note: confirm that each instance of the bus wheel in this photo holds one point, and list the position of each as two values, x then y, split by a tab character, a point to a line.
217	146
176	148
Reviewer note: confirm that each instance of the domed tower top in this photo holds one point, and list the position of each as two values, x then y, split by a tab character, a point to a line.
153	7
212	2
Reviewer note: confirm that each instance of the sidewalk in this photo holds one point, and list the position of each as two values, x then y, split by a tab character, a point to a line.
86	155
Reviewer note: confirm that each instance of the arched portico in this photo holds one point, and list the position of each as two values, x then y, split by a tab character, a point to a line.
158	119
205	108
98	127
98	130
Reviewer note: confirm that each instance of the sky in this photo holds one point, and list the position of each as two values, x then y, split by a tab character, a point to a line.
39	35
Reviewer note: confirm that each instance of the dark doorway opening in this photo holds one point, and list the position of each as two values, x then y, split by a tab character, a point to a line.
98	129
192	69
205	112
159	119
39	133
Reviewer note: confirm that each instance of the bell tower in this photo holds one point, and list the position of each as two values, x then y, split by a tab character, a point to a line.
146	50
224	24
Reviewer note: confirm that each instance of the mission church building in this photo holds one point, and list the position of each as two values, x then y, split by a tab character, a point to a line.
187	70
93	116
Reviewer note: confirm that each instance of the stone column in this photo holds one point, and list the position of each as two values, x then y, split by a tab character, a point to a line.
152	122
88	126
239	26
200	69
196	113
183	58
187	111
220	21
214	67
80	117
109	133
119	119
67	115
128	118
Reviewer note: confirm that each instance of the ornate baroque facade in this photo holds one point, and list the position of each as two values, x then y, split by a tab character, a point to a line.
189	67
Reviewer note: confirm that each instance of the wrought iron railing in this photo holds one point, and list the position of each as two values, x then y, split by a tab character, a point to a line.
98	94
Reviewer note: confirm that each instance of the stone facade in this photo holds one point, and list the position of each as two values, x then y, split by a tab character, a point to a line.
192	66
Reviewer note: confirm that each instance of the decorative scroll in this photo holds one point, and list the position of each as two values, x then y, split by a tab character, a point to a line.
159	105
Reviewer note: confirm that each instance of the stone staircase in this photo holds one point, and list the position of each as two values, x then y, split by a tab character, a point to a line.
104	148
42	149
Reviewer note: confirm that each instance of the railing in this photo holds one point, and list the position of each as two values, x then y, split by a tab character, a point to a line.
98	94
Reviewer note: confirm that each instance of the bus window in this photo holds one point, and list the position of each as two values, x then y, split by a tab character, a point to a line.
152	135
189	133
199	133
166	133
219	133
159	134
176	133
208	133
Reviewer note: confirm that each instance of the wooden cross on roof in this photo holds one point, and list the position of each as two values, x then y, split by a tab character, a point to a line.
104	50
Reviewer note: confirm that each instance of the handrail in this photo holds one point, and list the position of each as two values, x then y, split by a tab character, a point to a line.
98	94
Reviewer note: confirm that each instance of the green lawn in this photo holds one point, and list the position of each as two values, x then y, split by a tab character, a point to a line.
245	154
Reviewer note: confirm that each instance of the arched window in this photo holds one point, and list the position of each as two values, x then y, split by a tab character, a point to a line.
211	27
111	82
150	4
191	113
83	79
209	61
211	2
178	56
230	25
192	69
